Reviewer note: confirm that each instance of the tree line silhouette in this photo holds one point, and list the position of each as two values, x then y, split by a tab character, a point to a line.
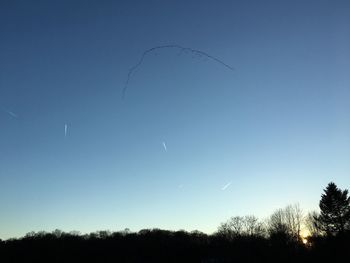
286	236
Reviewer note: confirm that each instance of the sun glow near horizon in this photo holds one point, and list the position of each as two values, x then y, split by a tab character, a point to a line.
304	235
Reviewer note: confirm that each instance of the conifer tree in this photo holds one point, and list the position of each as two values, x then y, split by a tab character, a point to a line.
334	216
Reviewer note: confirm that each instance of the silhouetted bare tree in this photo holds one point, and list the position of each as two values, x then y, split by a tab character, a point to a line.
286	223
311	224
294	217
239	226
277	223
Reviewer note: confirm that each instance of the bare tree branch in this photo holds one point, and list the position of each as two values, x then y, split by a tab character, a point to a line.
148	51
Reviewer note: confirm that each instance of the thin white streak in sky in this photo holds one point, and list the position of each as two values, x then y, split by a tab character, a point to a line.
65	129
226	186
165	148
12	114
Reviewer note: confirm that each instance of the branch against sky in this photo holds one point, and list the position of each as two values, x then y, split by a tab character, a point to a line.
148	51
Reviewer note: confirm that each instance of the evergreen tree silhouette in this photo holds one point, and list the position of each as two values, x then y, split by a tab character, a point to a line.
335	210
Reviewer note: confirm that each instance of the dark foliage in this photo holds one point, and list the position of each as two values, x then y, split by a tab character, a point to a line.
240	239
335	210
166	246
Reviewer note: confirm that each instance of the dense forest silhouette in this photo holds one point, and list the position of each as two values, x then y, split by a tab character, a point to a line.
288	235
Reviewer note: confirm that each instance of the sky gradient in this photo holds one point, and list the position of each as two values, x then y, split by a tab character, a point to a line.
75	156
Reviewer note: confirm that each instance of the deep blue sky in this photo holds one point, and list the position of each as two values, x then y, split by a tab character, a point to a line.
277	127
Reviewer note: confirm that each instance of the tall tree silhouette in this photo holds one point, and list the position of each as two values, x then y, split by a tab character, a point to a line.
334	216
286	223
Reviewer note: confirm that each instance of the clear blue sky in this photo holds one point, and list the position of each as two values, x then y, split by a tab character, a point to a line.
277	127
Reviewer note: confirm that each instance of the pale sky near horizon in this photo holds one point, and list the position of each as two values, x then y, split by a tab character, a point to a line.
193	142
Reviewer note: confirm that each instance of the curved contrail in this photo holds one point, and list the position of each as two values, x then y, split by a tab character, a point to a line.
198	52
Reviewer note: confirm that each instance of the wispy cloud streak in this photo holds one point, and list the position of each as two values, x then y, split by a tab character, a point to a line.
65	130
226	186
164	146
12	114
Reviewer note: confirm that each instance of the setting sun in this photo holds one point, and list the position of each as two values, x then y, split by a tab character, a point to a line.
304	234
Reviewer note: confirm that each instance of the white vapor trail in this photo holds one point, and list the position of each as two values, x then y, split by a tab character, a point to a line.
164	146
65	129
12	114
226	186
